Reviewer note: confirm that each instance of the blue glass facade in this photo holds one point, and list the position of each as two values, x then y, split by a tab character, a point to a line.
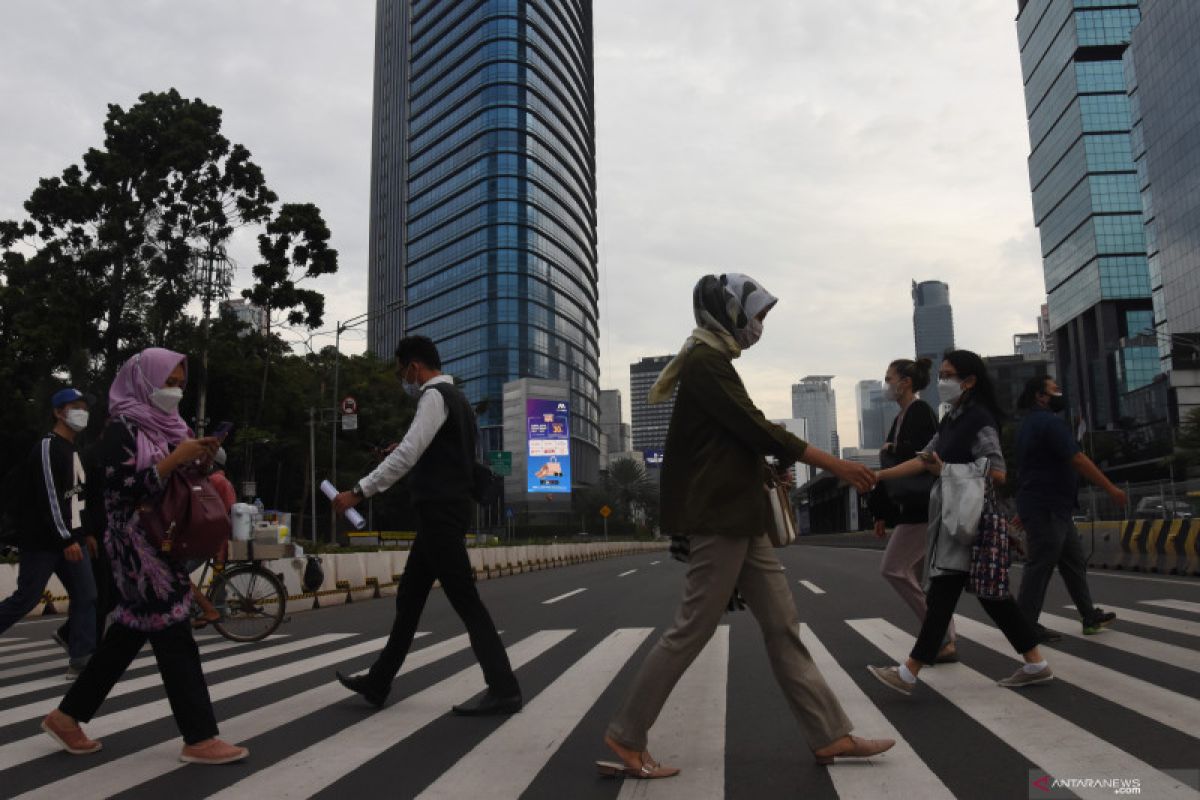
1087	199
484	196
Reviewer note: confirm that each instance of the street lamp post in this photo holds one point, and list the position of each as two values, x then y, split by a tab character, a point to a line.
341	328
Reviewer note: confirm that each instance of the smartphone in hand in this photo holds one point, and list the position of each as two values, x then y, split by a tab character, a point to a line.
222	431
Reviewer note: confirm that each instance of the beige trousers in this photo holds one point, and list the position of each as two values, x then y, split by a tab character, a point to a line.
901	561
716	566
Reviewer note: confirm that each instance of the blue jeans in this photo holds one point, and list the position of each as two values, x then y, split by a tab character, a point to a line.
34	573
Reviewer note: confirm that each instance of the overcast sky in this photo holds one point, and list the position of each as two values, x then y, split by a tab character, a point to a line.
833	150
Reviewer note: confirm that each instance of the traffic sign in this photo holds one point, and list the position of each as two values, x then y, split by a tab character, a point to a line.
349	422
605	511
349	405
500	461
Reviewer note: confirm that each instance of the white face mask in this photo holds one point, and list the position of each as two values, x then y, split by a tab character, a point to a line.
949	389
76	419
749	335
166	400
411	388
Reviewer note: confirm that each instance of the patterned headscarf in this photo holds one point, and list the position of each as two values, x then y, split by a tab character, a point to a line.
129	397
727	309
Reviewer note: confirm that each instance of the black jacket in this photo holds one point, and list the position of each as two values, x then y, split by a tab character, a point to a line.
444	471
52	508
895	507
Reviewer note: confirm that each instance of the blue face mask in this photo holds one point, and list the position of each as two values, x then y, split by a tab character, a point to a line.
411	388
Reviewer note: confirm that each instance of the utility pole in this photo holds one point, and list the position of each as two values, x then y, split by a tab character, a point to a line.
312	460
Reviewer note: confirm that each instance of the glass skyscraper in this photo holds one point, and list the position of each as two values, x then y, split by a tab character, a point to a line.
483	198
649	423
1165	97
1086	199
933	329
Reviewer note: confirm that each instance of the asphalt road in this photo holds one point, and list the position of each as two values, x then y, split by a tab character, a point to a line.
1125	706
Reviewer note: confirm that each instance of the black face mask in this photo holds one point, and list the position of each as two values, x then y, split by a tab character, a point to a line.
1057	403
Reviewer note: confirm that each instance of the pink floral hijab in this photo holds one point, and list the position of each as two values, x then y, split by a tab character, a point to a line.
129	397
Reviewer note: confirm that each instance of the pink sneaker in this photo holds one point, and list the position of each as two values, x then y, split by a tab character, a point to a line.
66	731
212	751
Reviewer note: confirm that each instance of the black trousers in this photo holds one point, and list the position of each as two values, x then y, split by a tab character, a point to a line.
1052	542
178	663
941	600
439	553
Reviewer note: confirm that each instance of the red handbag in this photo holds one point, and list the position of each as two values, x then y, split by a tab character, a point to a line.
189	521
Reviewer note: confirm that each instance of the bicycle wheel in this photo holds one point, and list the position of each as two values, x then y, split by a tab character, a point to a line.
251	600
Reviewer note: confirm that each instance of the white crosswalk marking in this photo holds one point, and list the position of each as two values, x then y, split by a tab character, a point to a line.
904	775
7	640
57	680
1054	744
1161	705
690	731
39	707
1178	605
812	587
13	648
527	740
34	746
307	772
32	655
1182	657
125	773
1154	620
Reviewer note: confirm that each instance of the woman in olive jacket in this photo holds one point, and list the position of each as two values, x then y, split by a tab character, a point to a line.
713	493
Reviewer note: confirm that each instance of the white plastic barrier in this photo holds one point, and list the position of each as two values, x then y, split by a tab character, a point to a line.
353	569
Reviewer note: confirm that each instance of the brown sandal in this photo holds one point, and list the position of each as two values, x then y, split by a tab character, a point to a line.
859	748
646	768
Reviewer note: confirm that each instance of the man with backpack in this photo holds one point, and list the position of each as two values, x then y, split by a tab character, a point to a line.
438	452
49	520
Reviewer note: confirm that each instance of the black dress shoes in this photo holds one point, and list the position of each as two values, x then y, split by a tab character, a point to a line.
488	704
362	685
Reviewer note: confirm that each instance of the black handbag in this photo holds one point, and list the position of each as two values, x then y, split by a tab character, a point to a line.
904	492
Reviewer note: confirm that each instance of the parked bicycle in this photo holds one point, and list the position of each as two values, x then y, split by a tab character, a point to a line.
250	598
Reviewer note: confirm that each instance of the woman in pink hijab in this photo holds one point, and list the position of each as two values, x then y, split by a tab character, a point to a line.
144	441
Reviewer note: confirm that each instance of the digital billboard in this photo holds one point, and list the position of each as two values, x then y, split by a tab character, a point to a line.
548	431
653	458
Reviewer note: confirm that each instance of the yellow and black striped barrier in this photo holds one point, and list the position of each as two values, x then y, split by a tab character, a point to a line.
1164	546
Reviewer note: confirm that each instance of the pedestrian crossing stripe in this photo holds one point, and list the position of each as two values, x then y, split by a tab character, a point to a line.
1183	626
690	732
1161	705
28	655
1178	605
1174	655
1052	743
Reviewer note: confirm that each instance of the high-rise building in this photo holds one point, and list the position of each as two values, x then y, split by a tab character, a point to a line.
649	422
483	201
1045	335
875	414
614	431
814	400
799	428
243	311
1009	375
933	328
1027	344
1086	201
1164	89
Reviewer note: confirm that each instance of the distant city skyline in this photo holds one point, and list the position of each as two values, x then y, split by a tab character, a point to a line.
823	180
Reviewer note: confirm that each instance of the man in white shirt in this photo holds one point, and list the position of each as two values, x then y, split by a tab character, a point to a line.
438	455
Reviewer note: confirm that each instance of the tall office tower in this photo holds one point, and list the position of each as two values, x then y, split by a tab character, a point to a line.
483	202
614	431
933	328
649	422
1165	102
1027	344
800	471
814	400
1086	202
875	414
1045	335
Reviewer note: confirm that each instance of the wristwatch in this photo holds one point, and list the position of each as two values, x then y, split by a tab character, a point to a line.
358	491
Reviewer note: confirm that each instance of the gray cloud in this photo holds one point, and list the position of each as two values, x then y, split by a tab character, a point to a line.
834	151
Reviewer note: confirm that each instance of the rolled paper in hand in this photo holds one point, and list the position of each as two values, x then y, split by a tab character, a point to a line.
355	518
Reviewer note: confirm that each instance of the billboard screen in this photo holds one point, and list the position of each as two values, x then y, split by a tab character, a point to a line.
654	458
548	432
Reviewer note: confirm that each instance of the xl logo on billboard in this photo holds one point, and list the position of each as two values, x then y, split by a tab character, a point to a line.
562	406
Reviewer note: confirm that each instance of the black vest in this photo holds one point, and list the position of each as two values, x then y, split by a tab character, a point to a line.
957	432
444	471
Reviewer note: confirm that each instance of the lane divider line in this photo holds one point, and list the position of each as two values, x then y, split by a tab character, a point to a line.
553	600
